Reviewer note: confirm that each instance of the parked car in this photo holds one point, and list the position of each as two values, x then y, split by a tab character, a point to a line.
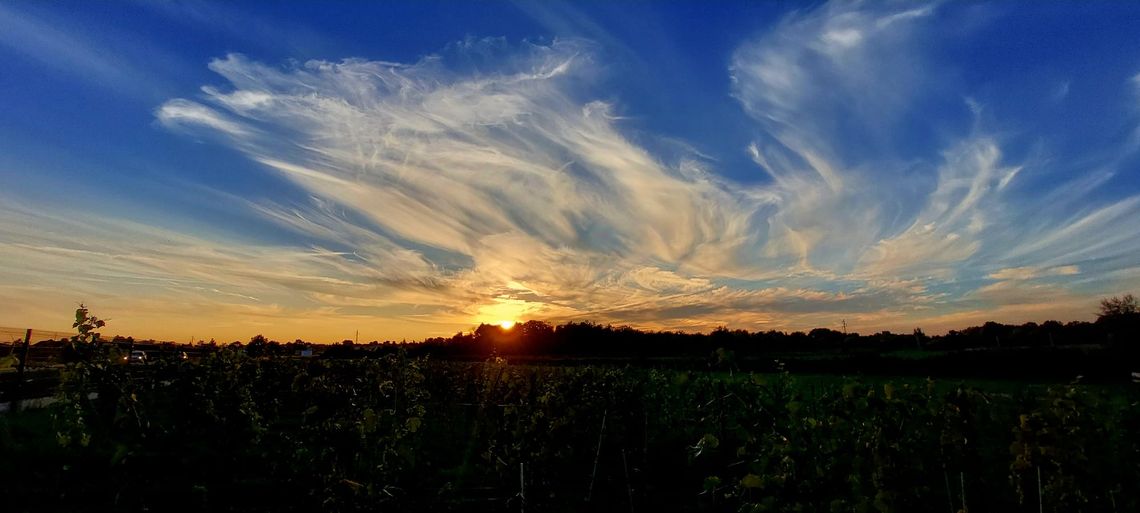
136	357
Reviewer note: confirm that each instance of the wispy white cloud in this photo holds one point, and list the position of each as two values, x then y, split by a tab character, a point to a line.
834	88
107	61
176	113
447	161
1028	273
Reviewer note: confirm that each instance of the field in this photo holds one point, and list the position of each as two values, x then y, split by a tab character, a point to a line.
237	433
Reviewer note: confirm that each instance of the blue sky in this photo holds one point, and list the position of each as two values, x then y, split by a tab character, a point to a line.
412	169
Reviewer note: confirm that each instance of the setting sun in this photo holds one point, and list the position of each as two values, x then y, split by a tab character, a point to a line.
507	324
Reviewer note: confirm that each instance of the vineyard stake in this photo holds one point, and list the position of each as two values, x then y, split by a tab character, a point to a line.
962	481
597	455
1040	502
949	494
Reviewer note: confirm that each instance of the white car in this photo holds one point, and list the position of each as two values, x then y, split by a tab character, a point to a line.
136	357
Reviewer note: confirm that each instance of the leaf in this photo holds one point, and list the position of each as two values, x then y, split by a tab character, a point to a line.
413	424
120	454
369	419
708	441
752	481
883	501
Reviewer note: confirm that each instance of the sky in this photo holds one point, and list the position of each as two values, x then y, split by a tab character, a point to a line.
196	170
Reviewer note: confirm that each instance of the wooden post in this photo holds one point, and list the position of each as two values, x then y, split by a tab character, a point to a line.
24	352
15	402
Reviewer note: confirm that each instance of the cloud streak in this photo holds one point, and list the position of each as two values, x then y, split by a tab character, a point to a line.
112	60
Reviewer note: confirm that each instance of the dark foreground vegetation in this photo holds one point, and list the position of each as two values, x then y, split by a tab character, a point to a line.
486	422
237	433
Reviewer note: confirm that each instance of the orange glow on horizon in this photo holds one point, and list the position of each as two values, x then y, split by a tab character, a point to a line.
507	325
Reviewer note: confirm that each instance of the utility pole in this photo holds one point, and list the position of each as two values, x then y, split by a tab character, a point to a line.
844	326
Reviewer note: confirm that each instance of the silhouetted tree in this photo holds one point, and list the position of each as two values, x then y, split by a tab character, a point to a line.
1114	307
257	346
1120	320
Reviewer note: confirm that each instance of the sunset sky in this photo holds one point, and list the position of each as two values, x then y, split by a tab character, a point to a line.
411	169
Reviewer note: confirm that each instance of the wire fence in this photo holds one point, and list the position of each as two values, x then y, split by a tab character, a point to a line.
13	339
8	335
37	355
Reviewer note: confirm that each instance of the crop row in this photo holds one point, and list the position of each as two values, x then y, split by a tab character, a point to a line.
238	433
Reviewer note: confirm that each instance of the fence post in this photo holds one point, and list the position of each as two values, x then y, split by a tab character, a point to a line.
20	364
